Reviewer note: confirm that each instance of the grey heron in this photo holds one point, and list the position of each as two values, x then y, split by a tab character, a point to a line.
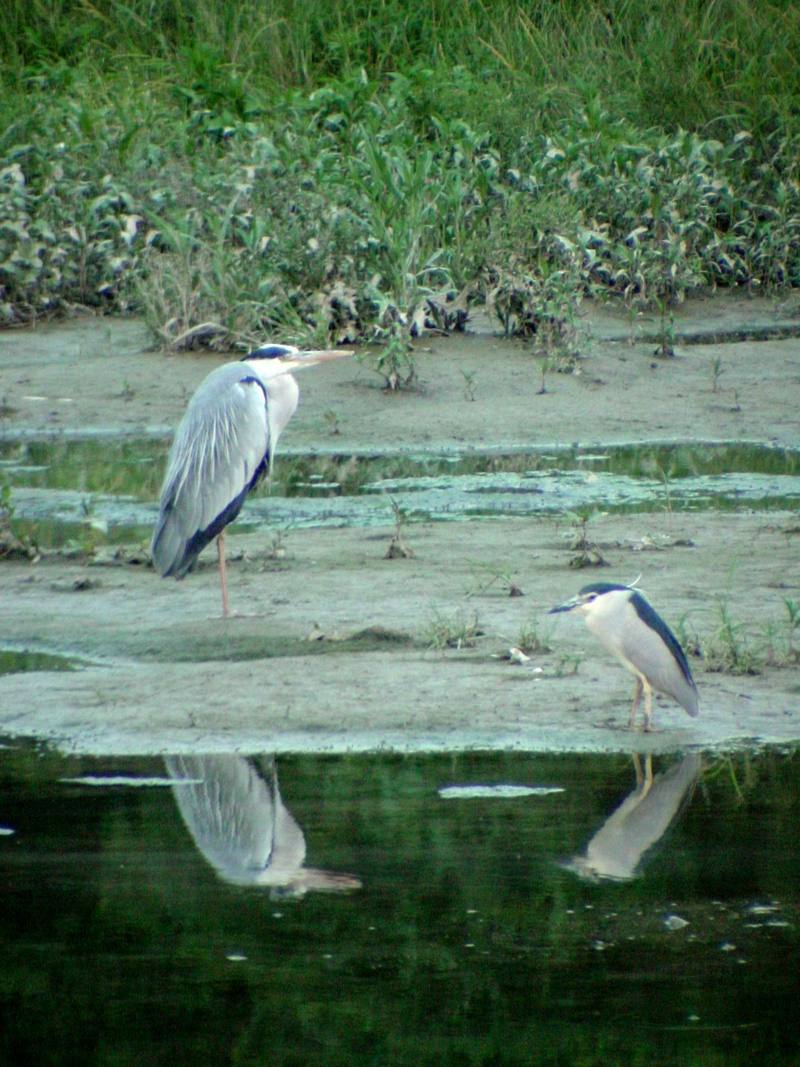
623	621
223	447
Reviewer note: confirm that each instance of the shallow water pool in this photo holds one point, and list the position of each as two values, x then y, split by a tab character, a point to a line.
451	909
78	494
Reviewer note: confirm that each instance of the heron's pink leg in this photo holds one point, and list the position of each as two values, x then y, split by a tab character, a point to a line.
223	574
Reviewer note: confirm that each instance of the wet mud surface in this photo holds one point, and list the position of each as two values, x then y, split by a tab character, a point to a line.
332	650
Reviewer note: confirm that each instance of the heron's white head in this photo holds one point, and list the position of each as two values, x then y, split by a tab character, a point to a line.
280	359
273	364
589	599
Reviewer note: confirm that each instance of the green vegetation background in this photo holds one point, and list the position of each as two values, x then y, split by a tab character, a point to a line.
343	171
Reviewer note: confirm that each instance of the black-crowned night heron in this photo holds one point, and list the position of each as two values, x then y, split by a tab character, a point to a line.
637	635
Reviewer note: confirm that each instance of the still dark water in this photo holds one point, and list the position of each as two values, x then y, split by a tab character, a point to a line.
400	910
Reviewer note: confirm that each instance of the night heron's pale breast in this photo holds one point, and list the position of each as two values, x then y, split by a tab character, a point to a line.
632	630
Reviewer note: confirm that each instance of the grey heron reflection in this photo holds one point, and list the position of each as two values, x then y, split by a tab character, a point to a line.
615	852
232	807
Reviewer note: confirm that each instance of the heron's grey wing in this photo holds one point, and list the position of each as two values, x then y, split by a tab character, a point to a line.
289	846
220	451
230	809
657	652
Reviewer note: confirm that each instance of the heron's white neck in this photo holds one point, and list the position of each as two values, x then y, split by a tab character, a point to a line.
283	394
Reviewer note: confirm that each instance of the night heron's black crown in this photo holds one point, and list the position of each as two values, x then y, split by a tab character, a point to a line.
601	587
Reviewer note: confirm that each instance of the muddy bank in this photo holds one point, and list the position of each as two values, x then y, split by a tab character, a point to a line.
476	390
333	649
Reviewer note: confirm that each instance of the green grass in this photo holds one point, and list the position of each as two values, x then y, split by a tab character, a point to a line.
736	647
452	631
361	171
672	65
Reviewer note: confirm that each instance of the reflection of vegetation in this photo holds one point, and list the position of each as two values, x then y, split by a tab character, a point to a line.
136	467
133	467
13	662
467	943
741	773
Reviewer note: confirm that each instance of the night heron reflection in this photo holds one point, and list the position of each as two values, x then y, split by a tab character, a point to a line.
223	447
233	809
616	851
623	621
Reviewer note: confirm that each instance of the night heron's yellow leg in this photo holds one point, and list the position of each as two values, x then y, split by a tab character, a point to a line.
644	777
648	706
637	767
637	697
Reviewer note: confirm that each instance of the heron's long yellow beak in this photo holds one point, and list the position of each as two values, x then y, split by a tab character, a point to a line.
309	358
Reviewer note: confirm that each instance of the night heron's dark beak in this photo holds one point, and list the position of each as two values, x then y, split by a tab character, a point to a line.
568	605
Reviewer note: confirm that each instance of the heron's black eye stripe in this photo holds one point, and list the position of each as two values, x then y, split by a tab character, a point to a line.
269	352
